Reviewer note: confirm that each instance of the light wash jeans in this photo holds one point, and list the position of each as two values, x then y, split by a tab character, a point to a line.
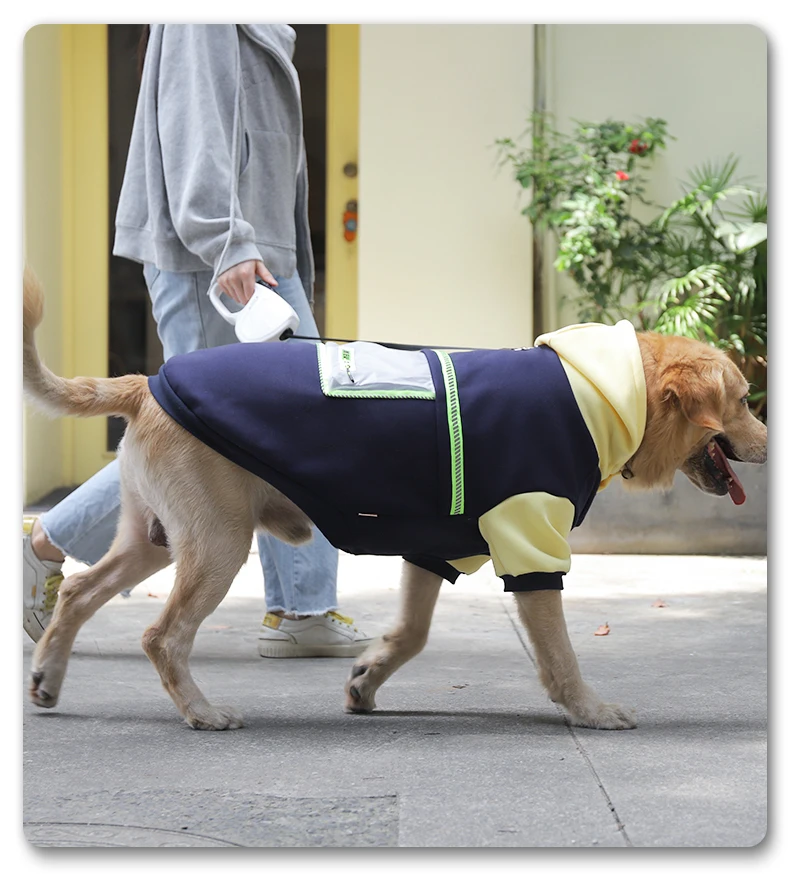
296	579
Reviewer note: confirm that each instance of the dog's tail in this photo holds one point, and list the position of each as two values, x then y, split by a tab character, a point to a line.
81	396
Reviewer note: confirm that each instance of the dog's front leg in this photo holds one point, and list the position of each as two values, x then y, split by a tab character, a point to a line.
419	591
542	615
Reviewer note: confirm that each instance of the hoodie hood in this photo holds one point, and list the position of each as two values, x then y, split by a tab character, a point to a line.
612	400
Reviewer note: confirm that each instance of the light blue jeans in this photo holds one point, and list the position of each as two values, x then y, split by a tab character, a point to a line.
296	579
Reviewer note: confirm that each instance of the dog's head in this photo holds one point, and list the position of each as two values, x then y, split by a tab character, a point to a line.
698	418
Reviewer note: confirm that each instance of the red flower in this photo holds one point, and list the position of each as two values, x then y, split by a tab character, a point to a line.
637	147
622	175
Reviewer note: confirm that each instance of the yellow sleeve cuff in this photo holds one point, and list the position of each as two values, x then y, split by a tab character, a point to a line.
528	533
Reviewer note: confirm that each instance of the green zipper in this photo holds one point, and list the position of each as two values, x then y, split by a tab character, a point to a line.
456	434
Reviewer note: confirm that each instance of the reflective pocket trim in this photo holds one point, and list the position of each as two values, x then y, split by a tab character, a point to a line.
368	370
456	434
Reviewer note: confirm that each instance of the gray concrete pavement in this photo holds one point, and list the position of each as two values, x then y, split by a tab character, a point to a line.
466	749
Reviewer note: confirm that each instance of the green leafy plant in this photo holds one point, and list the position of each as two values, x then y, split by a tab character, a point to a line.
715	270
696	268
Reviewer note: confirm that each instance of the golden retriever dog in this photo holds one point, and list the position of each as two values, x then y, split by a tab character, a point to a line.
185	502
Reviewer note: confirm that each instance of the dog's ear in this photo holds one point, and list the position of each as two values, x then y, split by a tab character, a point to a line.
699	392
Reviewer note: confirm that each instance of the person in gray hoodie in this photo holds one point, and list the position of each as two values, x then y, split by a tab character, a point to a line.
215	190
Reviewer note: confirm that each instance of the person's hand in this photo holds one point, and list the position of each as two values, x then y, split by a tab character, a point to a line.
238	282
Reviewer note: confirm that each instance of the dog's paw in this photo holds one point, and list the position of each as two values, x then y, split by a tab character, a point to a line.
359	698
44	688
213	718
605	716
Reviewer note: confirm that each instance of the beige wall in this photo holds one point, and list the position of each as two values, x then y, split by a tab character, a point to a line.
708	81
444	254
43	437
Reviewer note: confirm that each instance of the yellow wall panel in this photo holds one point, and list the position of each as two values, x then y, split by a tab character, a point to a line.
44	439
342	143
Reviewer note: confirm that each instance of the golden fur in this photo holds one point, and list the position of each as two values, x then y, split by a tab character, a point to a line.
208	508
693	393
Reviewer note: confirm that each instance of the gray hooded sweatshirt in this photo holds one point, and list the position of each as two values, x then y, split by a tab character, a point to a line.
176	209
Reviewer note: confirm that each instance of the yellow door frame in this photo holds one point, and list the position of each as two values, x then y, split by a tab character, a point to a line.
85	224
342	148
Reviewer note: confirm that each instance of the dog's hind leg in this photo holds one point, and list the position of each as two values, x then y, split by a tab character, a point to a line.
207	562
419	592
130	559
542	615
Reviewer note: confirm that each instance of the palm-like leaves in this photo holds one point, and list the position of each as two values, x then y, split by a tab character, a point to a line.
706	279
724	299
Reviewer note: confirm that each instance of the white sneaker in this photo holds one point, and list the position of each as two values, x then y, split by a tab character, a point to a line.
41	581
330	634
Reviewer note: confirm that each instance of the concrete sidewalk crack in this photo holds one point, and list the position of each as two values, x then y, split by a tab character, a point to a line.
576	740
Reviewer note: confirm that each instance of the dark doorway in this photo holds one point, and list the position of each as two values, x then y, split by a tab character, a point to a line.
310	62
134	346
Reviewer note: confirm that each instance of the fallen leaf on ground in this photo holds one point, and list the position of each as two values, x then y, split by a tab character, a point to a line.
658	603
459	686
602	630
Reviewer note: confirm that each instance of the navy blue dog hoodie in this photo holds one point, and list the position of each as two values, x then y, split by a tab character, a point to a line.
446	459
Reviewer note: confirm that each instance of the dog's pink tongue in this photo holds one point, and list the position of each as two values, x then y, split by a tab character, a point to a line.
734	485
737	493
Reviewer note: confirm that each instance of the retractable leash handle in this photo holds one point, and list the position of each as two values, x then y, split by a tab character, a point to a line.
266	316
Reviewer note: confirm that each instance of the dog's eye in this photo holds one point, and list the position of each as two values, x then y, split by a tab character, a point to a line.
745	399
